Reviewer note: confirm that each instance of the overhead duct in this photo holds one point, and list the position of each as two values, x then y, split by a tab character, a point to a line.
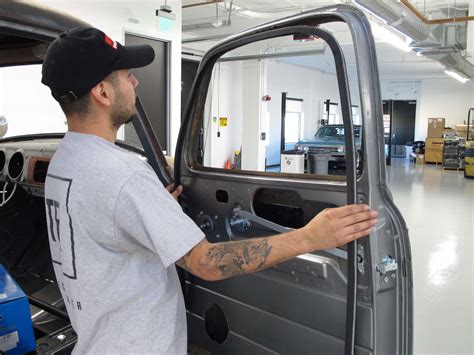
405	21
452	60
402	19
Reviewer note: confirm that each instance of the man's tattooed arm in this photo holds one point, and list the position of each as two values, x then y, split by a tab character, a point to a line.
222	260
246	257
331	228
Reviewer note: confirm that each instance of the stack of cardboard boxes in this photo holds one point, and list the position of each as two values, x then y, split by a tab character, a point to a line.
434	142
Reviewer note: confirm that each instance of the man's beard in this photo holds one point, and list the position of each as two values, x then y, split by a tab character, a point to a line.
121	112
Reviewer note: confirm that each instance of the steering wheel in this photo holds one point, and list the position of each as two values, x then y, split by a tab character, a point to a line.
6	195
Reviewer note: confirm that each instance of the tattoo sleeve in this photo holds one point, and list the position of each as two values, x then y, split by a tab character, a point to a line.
226	259
236	258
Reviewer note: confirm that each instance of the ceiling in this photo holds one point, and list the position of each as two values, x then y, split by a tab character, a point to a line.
394	64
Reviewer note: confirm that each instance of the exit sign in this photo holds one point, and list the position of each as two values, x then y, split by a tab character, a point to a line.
166	25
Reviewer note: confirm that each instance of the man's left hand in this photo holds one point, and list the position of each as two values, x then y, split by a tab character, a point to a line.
173	192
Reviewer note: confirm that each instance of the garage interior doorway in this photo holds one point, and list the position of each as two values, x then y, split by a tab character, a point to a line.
291	121
399	127
153	90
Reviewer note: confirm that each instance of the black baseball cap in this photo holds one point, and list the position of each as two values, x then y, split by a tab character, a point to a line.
81	58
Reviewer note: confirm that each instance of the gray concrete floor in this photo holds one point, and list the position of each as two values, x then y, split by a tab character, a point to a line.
438	207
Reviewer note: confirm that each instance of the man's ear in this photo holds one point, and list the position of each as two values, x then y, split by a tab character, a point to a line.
103	93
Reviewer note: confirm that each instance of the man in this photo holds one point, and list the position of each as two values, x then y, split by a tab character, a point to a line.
116	233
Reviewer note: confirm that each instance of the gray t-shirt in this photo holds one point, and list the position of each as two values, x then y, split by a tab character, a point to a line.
115	233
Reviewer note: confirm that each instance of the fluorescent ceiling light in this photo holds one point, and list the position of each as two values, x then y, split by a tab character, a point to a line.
456	76
389	37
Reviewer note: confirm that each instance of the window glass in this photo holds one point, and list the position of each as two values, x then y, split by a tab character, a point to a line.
27	104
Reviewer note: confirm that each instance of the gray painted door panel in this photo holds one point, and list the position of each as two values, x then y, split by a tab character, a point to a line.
298	306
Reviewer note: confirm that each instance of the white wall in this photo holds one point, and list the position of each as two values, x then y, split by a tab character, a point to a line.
400	90
226	102
445	98
112	17
313	86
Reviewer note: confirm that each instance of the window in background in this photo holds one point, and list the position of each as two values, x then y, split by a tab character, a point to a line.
356	119
42	114
331	114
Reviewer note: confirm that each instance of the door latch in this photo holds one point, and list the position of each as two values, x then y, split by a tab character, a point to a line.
387	267
360	259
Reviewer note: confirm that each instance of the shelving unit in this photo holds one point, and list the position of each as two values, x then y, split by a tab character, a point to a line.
453	153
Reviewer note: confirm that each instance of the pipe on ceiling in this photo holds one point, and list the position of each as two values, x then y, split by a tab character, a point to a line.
205	38
441	21
274	55
202	26
209	2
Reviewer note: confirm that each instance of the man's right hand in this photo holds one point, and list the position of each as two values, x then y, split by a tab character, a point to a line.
334	227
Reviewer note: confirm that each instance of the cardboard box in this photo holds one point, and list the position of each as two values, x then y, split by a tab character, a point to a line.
16	329
420	159
433	155
461	130
435	127
434	143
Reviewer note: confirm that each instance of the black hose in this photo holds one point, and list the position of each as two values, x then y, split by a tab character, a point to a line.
48	308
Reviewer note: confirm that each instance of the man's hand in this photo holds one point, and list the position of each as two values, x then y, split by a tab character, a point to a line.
173	192
335	227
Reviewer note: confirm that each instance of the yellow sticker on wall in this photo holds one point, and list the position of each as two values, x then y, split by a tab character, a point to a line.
223	121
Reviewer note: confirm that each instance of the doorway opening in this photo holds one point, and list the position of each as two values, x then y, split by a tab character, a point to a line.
399	128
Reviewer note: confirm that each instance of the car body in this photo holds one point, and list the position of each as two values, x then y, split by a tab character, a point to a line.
329	139
354	299
329	142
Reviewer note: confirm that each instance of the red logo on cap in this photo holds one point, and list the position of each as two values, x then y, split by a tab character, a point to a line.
110	42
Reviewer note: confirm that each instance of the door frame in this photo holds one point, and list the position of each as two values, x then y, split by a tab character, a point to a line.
395	292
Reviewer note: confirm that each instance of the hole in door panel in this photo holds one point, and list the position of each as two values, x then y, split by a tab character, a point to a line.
222	196
215	322
286	207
